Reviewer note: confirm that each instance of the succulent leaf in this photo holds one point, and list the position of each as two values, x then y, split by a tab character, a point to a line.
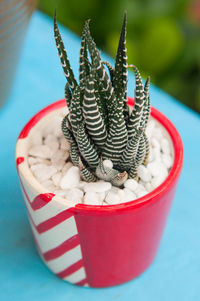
63	57
107	89
75	110
110	174
147	104
130	151
86	175
132	173
67	133
93	120
147	149
111	70
68	95
141	154
86	147
99	125
84	66
119	179
116	140
120	76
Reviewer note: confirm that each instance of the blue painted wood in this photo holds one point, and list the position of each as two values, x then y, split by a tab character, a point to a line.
175	274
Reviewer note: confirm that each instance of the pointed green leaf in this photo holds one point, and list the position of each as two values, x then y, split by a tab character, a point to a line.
86	174
121	73
63	57
107	90
130	151
86	147
94	122
68	95
75	110
84	66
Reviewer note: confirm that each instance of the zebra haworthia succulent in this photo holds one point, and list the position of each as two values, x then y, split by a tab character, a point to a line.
99	125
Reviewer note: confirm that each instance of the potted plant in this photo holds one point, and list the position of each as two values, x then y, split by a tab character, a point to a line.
98	193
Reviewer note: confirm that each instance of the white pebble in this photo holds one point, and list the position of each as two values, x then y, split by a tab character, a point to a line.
139	189
144	173
36	138
58	159
42	151
97	186
91	198
108	163
81	184
121	194
156	181
56	178
165	146
141	193
156	154
148	187
64	144
101	196
52	143
112	198
60	192
57	156
74	195
36	160
157	133
54	127
154	168
131	184
43	172
150	127
155	143
158	169
49	185
71	178
66	167
150	158
57	130
128	195
167	160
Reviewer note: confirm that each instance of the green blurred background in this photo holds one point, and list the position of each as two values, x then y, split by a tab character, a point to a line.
163	37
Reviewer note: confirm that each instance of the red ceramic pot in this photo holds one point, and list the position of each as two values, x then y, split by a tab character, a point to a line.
97	246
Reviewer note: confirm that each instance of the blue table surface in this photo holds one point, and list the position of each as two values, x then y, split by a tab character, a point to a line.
175	273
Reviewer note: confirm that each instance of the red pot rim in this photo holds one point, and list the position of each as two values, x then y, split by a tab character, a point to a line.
148	198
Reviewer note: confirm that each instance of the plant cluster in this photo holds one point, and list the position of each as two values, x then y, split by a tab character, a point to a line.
99	125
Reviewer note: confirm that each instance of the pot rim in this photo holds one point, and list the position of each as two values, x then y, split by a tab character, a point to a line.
142	201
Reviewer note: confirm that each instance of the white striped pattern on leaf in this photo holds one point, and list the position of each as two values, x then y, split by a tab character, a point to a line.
130	151
147	105
68	95
63	57
86	175
120	77
93	120
84	67
107	90
141	153
75	110
86	147
132	173
116	140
